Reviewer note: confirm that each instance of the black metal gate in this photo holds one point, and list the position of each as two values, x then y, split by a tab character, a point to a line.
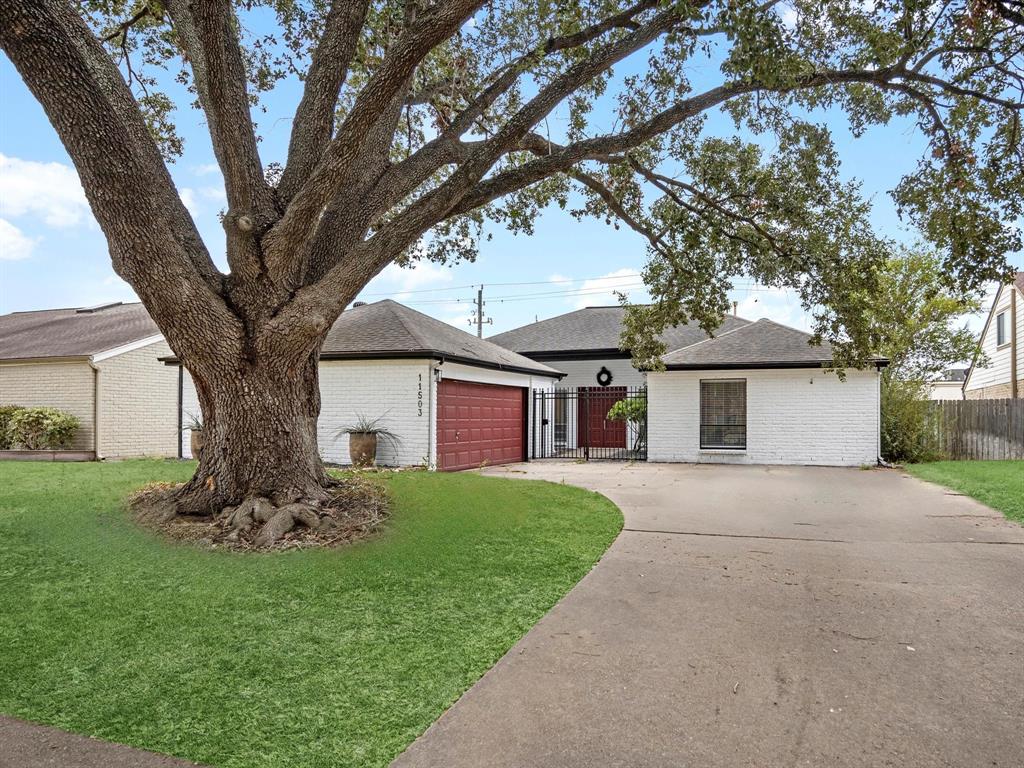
589	423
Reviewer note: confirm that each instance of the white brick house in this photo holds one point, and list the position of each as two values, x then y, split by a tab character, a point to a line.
454	400
100	364
756	393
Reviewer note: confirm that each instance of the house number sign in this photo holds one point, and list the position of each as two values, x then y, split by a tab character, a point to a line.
419	397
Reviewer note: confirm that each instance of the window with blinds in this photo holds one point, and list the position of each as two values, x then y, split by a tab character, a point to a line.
723	413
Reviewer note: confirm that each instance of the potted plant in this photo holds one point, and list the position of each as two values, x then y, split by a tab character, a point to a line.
196	439
364	435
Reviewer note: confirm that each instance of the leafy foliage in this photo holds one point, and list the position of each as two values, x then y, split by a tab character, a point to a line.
906	422
37	429
915	317
915	322
366	425
6	412
426	123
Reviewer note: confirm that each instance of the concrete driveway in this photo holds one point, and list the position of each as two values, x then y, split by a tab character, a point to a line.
764	616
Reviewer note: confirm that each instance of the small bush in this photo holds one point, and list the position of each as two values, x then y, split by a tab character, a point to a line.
907	428
6	412
37	429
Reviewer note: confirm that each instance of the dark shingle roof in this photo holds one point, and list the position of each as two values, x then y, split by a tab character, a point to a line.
756	345
72	332
594	329
389	329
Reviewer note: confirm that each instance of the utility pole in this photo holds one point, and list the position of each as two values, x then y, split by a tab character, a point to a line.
480	321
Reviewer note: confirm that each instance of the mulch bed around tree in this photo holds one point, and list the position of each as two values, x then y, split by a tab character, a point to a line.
358	505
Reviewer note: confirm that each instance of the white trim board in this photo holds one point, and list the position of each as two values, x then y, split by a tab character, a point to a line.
129	347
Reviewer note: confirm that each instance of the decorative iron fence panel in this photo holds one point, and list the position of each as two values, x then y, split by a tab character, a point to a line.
574	423
978	429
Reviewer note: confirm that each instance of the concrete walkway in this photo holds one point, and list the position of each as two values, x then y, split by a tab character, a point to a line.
27	745
755	616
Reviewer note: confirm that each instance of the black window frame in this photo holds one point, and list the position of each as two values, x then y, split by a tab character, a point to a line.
1001	329
709	428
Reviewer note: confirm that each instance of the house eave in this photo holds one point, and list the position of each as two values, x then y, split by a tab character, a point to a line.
420	355
781	364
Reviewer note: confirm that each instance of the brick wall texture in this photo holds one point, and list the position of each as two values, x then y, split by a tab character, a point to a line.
138	404
67	386
799	416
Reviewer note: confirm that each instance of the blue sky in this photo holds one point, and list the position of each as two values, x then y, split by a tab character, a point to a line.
52	253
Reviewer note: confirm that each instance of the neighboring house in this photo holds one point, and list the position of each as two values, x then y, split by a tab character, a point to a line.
455	401
950	386
756	393
100	364
1002	342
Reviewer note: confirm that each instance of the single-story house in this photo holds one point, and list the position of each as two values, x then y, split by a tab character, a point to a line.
100	364
950	386
455	401
755	392
1002	343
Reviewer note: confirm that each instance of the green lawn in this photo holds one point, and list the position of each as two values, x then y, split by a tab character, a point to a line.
999	484
318	658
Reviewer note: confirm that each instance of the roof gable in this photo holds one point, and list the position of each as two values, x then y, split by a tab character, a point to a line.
54	333
594	329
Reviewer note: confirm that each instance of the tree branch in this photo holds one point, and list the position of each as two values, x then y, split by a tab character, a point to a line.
431	28
206	31
314	118
153	243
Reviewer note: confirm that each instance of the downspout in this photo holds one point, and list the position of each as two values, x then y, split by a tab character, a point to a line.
1013	343
181	431
95	410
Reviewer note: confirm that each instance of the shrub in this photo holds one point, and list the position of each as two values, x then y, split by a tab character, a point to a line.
37	429
907	428
6	412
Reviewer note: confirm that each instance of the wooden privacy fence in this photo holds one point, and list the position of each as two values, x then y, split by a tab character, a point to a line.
978	429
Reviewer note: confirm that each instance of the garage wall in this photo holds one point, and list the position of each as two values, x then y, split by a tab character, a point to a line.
138	403
401	388
68	386
797	416
349	387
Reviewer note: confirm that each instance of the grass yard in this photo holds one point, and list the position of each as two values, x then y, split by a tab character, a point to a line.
999	484
316	658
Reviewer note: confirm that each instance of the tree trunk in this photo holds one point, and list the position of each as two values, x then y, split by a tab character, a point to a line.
260	420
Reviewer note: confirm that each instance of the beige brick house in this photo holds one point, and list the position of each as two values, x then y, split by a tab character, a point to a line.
1002	342
100	364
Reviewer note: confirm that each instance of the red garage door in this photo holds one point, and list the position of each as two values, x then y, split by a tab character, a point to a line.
479	424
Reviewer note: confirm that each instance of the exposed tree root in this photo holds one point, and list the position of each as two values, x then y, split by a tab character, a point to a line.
351	509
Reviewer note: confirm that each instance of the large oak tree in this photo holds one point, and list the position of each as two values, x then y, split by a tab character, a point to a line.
421	119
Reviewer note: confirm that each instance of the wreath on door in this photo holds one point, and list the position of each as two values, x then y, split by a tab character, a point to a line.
604	377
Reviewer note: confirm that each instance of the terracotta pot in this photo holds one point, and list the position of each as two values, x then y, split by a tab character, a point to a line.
362	448
197	441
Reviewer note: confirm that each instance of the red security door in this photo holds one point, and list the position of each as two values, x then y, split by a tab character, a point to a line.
479	424
596	430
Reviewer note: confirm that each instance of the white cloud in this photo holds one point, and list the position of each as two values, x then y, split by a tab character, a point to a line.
599	291
14	244
217	194
205	169
188	197
401	280
50	191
